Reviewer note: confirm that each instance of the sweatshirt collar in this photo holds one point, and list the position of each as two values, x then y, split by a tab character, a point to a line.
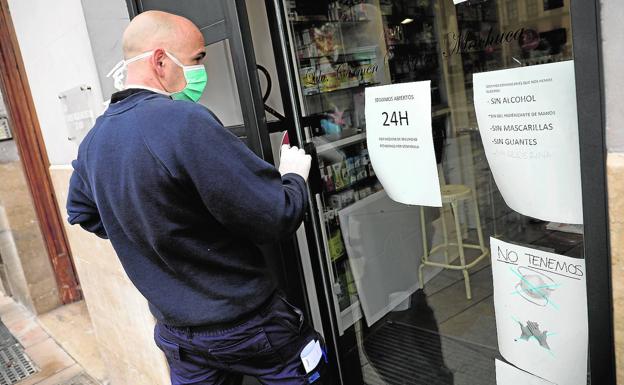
124	100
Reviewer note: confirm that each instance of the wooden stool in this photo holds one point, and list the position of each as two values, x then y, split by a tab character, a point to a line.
452	194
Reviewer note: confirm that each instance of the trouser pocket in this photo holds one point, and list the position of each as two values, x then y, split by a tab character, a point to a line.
169	348
253	346
289	315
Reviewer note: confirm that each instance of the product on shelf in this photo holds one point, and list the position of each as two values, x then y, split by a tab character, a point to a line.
328	79
325	41
350	170
309	80
345	174
347	75
341	117
339	181
335	245
366	191
330	127
326	178
361	173
335	202
353	11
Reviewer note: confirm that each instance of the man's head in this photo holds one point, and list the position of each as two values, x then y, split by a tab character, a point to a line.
161	33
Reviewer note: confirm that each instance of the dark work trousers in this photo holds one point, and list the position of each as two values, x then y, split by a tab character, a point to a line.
266	346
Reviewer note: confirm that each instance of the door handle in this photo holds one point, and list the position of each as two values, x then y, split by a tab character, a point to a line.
314	179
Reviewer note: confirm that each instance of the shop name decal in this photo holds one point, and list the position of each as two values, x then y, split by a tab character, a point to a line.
466	42
341	71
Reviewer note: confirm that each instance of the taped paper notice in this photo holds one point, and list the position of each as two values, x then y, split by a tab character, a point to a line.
400	142
540	301
528	123
510	375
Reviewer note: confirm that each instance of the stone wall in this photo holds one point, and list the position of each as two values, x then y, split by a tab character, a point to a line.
29	275
121	319
615	171
612	14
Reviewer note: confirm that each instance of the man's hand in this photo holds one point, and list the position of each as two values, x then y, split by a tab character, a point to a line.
294	160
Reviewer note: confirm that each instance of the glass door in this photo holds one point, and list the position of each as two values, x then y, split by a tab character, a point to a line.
412	288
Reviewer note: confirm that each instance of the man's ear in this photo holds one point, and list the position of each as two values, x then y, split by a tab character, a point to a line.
158	61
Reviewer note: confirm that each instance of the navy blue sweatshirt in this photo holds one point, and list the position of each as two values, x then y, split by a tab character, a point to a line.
184	203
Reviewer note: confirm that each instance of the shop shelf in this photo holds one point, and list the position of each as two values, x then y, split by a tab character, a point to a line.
415	44
299	23
341	259
342	89
338	143
350	315
348	52
435	112
369	180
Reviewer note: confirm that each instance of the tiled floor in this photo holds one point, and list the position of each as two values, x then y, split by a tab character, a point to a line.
71	327
464	333
55	365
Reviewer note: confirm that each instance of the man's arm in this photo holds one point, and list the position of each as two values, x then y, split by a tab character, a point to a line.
243	192
80	206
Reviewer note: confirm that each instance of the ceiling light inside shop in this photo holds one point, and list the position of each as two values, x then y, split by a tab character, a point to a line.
407	21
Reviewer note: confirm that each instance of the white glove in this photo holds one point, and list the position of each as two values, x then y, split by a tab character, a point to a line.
294	160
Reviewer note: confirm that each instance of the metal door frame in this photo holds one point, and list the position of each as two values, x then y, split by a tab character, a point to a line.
592	136
591	118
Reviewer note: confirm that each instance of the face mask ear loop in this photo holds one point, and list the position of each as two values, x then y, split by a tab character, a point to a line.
174	59
184	67
115	68
118	71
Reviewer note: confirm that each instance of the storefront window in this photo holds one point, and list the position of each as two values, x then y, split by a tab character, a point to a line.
391	331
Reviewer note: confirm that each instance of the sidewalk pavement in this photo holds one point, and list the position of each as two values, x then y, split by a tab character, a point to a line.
56	366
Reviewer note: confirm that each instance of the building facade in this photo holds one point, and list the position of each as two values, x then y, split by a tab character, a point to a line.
356	265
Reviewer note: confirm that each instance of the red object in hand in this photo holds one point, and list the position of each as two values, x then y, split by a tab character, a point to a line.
285	138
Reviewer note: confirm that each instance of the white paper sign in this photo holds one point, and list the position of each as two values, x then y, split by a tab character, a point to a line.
377	230
459	1
540	301
528	123
311	355
510	375
400	142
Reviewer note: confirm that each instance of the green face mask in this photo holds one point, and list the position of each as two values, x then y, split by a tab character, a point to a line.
196	80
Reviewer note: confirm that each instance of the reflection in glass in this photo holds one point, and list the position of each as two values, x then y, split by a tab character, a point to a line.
221	94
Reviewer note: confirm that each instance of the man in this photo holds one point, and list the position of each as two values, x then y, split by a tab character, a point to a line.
184	203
